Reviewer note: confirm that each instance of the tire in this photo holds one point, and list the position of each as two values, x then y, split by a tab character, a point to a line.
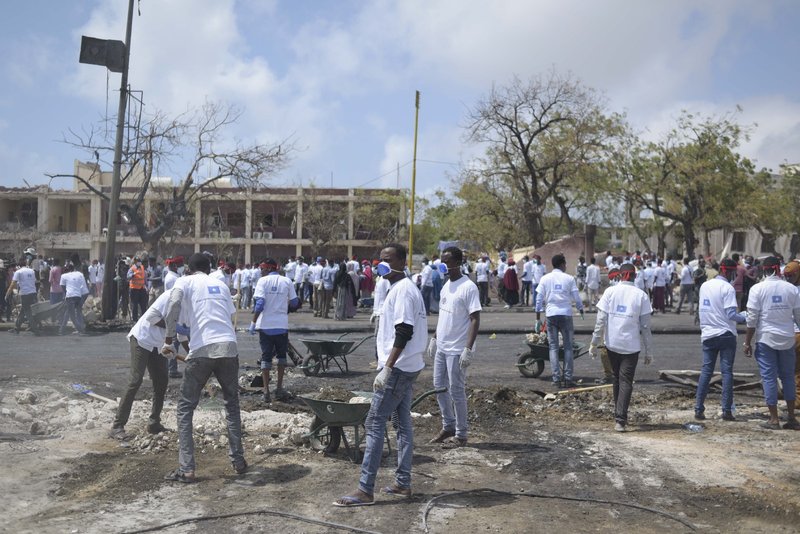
327	438
529	366
312	364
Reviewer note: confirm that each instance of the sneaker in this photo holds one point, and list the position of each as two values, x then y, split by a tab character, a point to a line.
700	416
156	428
619	427
180	476
728	416
442	436
506	307
267	397
454	443
118	433
240	468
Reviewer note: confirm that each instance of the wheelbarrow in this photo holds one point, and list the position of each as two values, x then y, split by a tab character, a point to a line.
323	352
44	311
332	418
531	363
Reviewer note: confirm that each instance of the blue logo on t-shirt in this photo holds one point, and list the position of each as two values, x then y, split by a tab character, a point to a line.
213	290
621	308
706	302
557	286
776	299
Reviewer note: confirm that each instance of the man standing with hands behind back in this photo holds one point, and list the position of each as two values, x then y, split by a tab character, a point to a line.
401	341
453	347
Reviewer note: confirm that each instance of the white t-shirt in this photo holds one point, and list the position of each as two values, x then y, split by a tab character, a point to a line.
148	336
219	274
639	280
427	276
207	307
686	276
774	300
539	270
315	273
403	304
290	269
74	284
659	277
592	276
649	277
169	279
95	273
501	269
527	271
301	274
26	280
557	290
458	301
255	274
482	271
624	304
716	295
277	291
609	261
381	290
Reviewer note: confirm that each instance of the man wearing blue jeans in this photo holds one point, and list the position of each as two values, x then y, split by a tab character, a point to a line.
452	348
401	341
773	308
718	318
555	293
208	308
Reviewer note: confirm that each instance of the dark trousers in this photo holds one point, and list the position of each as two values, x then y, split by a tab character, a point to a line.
624	368
526	292
138	303
74	313
26	314
156	366
427	292
483	291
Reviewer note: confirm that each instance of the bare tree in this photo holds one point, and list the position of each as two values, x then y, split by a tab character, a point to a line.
195	145
324	222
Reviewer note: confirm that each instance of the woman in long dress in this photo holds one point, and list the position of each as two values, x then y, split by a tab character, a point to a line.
345	294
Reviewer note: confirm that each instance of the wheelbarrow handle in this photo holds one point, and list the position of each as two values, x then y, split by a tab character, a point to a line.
426	394
354	347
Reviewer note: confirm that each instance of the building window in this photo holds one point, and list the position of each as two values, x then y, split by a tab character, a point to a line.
268	220
767	244
737	243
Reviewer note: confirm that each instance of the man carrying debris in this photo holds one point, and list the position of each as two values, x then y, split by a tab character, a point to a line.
453	347
773	310
75	291
146	338
208	308
718	318
623	316
275	296
25	279
555	293
402	338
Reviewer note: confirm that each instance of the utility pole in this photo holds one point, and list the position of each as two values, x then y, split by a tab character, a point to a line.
413	184
116	184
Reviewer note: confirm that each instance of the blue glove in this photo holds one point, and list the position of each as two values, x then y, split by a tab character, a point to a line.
252	329
182	329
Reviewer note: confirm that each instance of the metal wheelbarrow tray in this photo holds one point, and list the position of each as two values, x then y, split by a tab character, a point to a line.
331	418
531	363
323	352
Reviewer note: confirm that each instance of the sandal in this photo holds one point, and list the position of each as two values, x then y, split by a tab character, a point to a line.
771	426
180	476
397	491
350	501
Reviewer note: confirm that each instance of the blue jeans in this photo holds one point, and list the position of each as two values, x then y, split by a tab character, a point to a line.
427	293
396	396
774	364
453	402
563	324
273	346
725	347
195	376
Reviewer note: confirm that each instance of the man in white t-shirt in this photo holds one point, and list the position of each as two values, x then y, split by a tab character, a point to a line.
659	288
208	309
170	277
482	279
24	278
555	295
315	277
274	298
592	282
402	339
718	318
75	290
687	287
773	310
527	280
539	270
146	338
426	284
300	276
290	269
623	316
453	348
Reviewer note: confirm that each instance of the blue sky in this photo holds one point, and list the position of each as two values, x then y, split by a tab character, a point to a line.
339	76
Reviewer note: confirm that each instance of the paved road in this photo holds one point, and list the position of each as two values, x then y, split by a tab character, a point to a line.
101	361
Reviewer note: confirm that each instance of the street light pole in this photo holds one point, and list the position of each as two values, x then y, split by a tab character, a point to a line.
116	183
413	185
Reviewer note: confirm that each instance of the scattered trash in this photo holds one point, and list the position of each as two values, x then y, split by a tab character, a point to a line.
693	427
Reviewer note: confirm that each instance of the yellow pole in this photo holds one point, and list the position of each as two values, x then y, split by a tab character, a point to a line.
413	184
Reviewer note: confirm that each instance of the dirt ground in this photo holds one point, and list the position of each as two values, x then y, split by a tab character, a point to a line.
531	465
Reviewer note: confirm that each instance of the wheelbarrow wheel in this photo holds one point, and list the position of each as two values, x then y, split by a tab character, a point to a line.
325	438
529	366
312	365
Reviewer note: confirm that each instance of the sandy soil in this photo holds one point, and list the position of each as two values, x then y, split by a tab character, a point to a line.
552	465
